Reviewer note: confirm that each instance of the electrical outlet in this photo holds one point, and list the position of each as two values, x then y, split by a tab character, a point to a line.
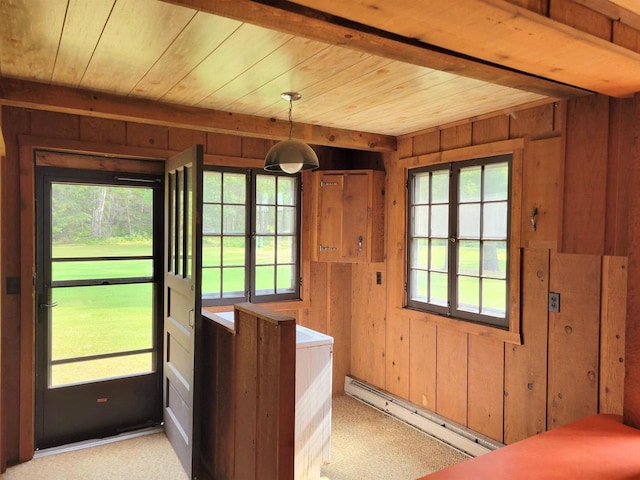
554	302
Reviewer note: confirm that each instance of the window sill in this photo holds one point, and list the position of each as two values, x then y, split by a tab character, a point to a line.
506	336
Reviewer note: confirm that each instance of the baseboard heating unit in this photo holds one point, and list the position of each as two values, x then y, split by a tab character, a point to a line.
451	433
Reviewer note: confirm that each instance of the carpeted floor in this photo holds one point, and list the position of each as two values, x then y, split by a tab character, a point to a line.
368	444
143	458
365	445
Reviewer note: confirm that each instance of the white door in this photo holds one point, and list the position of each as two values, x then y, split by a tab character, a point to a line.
182	299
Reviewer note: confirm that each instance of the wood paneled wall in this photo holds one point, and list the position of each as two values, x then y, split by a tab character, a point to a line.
570	364
91	136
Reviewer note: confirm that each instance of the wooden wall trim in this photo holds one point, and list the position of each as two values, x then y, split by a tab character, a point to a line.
3	159
463	153
20	93
27	303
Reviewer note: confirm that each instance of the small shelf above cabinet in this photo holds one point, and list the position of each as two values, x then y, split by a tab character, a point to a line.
348	216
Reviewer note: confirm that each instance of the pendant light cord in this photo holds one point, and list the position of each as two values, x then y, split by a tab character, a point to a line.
290	117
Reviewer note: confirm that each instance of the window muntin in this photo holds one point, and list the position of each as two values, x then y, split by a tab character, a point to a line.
458	240
250	245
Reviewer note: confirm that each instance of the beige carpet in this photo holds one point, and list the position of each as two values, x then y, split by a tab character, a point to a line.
143	458
365	445
368	444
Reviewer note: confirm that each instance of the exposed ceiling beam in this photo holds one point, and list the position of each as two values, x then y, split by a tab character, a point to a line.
290	18
19	93
502	33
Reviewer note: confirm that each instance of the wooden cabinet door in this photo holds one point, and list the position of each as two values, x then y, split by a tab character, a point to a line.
355	207
330	214
343	212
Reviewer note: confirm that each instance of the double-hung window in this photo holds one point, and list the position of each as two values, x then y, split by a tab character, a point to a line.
458	240
250	236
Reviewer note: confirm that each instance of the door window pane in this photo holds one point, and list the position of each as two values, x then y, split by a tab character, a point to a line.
100	369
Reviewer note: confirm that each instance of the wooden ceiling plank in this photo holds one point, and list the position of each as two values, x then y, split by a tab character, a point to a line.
282	60
315	69
26	94
326	80
32	28
225	63
137	34
502	33
424	55
83	25
197	41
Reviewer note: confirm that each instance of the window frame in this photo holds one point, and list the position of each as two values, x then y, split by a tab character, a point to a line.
250	236
518	236
451	311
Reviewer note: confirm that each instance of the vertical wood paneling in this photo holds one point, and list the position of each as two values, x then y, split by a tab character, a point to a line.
27	304
14	122
318	318
225	403
255	147
3	160
574	338
142	135
451	379
580	17
541	179
222	144
103	130
612	324
246	424
626	36
620	154
538	6
632	328
491	129
339	318
525	391
397	355
585	176
456	137
486	386
368	324
55	125
422	364
276	400
180	138
532	121
426	143
405	146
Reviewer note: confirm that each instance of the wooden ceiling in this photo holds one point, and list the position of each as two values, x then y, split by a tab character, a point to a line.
221	65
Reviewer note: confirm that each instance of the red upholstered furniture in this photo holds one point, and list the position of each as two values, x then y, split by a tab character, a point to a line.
596	447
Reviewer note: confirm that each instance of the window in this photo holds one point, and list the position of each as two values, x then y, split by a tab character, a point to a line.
458	248
250	241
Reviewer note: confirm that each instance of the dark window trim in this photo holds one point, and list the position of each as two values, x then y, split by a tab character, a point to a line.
451	311
250	237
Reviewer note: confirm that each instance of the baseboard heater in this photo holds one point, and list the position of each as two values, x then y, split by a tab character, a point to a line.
451	433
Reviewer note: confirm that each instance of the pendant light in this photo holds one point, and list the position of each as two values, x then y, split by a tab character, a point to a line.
291	156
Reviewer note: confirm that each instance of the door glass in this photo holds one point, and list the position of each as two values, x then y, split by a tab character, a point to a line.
101	283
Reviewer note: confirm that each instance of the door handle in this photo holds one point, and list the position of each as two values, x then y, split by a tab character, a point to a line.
192	317
48	305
